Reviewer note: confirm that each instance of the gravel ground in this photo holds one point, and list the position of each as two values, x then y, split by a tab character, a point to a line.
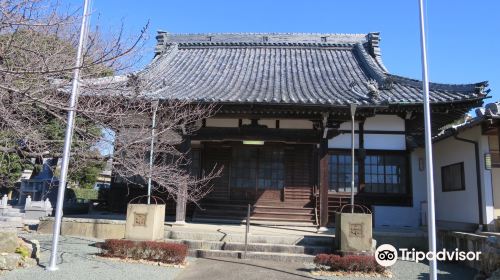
78	261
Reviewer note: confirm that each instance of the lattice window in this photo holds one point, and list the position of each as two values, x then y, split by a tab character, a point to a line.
340	172
385	173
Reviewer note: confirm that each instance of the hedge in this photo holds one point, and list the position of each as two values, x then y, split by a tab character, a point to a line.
170	253
87	194
350	263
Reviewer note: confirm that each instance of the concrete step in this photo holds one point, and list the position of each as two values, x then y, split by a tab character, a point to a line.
258	219
4	225
281	219
284	209
13	214
252	247
308	240
11	219
279	257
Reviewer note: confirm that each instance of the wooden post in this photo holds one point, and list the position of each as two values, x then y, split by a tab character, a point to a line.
180	207
323	182
361	158
498	138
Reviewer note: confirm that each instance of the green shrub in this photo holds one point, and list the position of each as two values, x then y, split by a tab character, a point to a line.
87	194
23	251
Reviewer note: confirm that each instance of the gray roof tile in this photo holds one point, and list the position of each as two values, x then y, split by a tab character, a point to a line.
285	69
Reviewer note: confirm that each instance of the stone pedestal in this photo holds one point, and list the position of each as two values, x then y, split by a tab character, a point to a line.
353	233
145	222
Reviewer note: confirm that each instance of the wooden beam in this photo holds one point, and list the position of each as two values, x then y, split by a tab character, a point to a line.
264	134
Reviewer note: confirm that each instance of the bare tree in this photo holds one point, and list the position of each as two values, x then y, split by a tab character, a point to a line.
38	40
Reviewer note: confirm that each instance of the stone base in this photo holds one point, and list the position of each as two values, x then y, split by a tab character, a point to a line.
95	228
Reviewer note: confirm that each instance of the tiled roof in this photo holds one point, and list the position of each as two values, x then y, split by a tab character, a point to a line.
307	69
490	111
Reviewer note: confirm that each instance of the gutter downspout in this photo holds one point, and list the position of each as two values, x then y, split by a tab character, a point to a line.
478	170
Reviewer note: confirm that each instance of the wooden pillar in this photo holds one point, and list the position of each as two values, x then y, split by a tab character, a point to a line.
181	202
498	137
361	156
323	182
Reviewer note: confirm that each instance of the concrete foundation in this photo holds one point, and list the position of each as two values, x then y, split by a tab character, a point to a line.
95	228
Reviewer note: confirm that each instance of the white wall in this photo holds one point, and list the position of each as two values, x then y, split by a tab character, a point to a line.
374	141
456	208
270	123
385	123
462	206
216	122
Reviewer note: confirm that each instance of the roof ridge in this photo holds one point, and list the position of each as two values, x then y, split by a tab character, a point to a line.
250	44
164	38
263	33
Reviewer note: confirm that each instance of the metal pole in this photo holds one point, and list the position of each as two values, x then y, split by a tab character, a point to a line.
247	229
151	149
353	112
68	137
431	223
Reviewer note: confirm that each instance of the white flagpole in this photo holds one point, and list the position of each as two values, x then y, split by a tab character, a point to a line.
353	113
431	222
151	148
67	138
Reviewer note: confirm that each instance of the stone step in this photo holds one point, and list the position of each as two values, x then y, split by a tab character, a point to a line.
308	240
14	210
282	219
4	225
279	257
290	210
267	222
281	214
13	214
11	219
253	247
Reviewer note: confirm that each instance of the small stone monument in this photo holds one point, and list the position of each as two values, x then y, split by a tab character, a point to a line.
5	199
353	231
37	209
145	222
27	203
4	207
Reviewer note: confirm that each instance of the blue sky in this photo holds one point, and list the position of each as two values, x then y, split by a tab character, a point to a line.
463	35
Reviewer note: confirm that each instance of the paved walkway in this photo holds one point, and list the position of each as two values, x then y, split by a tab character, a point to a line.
220	268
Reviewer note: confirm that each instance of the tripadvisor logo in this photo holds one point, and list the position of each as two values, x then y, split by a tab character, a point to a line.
387	255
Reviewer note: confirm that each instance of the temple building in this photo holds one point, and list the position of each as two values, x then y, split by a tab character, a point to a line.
282	130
